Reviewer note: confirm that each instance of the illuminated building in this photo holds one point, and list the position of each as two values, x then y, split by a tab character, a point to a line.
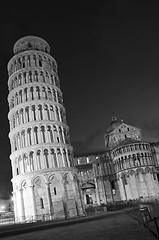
133	160
44	178
128	169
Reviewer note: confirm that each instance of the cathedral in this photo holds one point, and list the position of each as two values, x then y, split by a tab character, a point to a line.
126	170
48	180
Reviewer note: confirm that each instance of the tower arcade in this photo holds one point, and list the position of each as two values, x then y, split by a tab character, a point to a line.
43	176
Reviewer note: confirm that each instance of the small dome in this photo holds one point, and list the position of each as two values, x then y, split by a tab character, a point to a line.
114	124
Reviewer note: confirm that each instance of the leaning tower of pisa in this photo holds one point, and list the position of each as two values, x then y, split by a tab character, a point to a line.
44	179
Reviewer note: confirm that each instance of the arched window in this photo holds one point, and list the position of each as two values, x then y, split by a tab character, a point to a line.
34	113
27	113
38	92
20	96
30	76
49	94
25	94
23	138
38	158
54	157
61	136
32	93
36	76
31	161
46	158
29	135
40	110
36	134
51	134
40	61
44	93
43	133
65	158
47	111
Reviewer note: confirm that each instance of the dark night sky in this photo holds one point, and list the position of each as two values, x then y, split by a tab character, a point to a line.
108	62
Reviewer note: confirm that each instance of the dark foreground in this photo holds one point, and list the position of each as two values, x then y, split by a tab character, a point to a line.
114	226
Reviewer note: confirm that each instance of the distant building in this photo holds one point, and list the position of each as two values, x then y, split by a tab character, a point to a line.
97	178
44	177
128	168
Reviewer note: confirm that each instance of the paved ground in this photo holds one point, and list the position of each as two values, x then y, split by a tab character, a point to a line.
114	227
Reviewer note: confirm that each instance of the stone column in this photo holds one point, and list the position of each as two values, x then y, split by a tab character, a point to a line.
104	190
49	199
33	201
64	199
96	190
21	212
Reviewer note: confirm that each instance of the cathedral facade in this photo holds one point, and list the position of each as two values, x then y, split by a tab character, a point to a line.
44	177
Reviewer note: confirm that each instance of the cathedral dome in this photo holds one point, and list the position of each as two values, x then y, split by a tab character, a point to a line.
114	124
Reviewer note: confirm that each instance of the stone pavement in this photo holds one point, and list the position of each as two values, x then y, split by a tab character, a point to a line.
115	226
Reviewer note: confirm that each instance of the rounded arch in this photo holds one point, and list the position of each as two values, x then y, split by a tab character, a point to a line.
67	176
54	176
38	179
147	169
24	184
139	170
